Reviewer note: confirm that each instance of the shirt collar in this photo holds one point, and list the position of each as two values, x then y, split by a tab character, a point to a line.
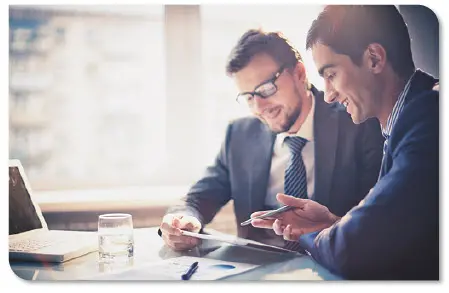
397	109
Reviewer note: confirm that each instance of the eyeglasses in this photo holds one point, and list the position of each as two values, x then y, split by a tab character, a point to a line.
264	90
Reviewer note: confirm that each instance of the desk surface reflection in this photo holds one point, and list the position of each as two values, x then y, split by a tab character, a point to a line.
149	247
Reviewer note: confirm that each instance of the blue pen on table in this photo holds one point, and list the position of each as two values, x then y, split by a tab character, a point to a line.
268	214
190	271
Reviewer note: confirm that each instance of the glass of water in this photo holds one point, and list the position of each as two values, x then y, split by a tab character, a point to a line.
115	238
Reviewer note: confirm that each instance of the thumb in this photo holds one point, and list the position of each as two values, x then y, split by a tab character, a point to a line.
289	200
176	222
190	223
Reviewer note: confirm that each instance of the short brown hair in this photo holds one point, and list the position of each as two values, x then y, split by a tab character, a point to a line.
349	29
254	42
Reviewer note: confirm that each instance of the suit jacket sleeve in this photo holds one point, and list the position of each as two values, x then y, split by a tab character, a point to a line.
394	230
207	196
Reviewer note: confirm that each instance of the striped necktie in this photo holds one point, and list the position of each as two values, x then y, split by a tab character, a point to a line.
295	181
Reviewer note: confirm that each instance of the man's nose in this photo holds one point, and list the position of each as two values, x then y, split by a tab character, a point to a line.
329	97
259	104
329	93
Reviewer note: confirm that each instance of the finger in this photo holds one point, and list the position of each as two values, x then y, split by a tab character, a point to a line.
291	200
178	246
167	241
178	226
187	226
182	239
167	228
262	223
288	233
182	246
195	241
187	223
166	222
176	223
259	213
170	224
278	227
296	233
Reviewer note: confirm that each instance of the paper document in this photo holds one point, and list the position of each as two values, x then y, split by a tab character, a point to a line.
172	269
241	242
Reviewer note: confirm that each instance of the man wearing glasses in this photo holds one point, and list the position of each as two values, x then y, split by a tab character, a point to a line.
364	54
297	144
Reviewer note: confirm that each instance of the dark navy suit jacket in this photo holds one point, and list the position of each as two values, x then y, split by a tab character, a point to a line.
347	164
393	233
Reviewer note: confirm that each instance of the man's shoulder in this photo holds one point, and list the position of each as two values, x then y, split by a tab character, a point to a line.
423	95
419	115
421	106
246	132
424	98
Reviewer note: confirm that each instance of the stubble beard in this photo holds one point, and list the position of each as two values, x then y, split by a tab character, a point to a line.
289	121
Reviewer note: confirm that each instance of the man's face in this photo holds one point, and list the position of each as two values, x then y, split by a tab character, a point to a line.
280	110
351	85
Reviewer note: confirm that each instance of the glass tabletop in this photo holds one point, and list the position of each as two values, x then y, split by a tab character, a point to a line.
149	247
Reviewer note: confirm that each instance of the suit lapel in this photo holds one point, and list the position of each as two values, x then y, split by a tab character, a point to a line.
325	130
261	164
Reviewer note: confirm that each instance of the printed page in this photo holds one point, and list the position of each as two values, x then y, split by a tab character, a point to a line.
172	269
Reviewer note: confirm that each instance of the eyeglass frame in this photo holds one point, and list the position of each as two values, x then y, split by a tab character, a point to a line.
271	80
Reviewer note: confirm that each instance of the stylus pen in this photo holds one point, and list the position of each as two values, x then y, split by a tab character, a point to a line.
269	214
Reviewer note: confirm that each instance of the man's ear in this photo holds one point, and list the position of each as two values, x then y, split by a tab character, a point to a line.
300	71
375	57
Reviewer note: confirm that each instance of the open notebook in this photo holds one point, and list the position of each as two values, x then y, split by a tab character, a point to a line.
29	236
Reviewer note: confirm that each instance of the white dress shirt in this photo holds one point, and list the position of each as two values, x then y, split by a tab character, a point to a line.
281	156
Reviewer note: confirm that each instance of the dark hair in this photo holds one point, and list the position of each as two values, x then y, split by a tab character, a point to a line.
349	29
254	42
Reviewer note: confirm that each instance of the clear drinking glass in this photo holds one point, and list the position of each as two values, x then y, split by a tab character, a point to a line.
115	238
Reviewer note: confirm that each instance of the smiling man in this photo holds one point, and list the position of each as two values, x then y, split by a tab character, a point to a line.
296	144
364	55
